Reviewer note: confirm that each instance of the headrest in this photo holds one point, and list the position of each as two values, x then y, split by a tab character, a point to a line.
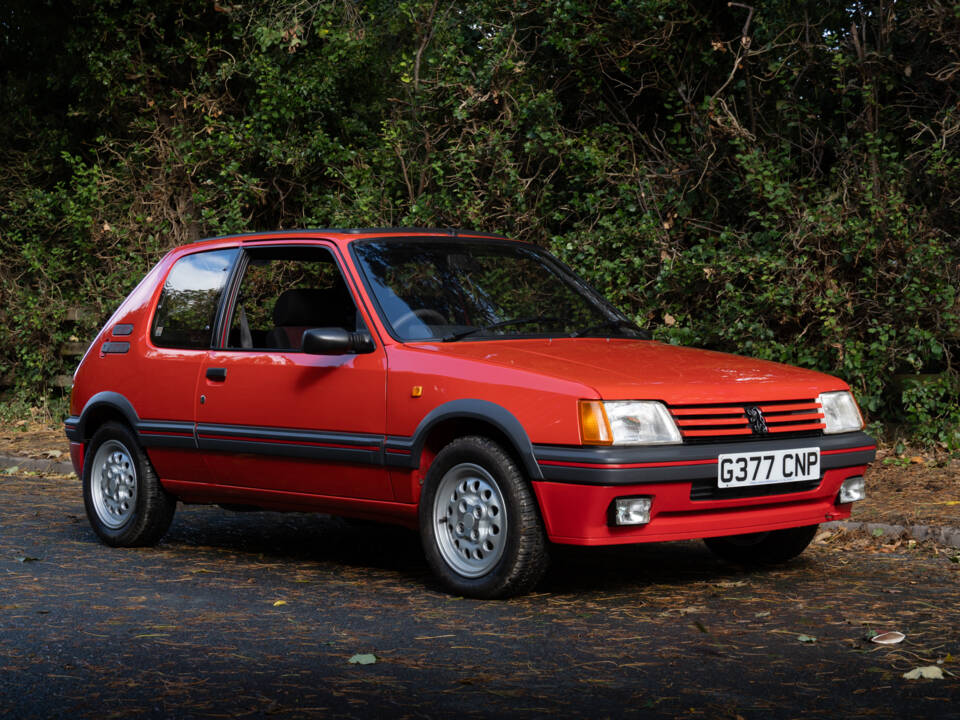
300	307
315	308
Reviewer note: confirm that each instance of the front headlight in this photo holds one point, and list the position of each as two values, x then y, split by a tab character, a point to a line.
627	422
840	412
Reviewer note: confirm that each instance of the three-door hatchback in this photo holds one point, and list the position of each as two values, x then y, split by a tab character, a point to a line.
456	382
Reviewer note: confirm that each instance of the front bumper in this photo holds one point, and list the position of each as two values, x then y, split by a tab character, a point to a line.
580	485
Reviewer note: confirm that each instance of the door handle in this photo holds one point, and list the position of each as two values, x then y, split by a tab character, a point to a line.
218	374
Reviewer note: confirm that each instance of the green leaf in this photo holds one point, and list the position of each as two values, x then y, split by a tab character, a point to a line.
363	659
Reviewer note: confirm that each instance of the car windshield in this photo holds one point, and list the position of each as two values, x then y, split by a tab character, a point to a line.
455	290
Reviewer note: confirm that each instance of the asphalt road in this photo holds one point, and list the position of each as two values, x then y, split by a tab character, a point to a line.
259	614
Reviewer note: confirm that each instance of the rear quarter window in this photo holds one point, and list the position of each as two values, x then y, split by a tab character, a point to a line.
188	305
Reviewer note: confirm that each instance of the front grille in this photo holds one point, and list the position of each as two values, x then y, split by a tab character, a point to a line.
732	421
811	434
706	489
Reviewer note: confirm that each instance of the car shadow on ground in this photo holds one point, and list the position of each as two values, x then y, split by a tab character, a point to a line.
323	541
576	570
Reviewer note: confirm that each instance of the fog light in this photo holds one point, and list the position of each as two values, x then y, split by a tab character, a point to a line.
632	511
853	489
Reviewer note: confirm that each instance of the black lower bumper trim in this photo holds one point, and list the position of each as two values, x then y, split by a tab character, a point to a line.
684	463
72	427
706	489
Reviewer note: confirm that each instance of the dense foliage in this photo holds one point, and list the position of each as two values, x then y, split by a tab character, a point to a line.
778	180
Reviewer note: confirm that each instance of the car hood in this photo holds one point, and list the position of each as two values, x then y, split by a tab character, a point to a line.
648	370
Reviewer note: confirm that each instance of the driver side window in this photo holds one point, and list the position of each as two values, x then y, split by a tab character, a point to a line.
286	291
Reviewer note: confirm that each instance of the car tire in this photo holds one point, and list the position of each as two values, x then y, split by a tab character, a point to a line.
479	522
125	502
765	548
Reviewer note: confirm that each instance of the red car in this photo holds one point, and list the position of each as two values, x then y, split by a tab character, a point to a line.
452	381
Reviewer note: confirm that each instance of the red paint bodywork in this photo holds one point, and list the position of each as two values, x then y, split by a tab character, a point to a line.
577	514
536	381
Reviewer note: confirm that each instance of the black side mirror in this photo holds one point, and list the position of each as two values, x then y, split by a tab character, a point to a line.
335	341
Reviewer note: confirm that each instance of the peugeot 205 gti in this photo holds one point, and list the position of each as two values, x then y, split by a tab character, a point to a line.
456	382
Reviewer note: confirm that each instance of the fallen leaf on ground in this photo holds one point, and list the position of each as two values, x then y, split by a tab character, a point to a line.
929	672
888	638
53	453
363	659
278	603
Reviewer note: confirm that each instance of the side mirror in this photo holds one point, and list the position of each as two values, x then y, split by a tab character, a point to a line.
335	341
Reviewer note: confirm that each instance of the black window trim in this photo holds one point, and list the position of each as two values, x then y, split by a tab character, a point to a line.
217	340
228	303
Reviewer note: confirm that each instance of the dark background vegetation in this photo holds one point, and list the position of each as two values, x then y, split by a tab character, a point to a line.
778	180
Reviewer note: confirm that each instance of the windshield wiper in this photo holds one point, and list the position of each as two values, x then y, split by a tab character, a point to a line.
453	337
613	324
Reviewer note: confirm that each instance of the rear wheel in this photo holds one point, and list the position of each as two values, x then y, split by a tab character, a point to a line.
125	503
479	522
765	548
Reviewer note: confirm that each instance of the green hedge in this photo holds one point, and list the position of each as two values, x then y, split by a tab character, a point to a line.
780	182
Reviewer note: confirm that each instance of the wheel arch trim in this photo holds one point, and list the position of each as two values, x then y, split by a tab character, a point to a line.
76	426
407	451
149	433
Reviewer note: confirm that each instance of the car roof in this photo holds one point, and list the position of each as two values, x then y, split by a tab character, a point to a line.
355	233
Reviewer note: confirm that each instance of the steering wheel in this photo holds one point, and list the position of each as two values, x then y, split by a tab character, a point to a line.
425	314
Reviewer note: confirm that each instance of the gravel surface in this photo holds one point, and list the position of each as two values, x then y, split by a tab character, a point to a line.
259	614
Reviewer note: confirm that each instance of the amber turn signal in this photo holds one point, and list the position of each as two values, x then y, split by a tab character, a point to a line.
594	425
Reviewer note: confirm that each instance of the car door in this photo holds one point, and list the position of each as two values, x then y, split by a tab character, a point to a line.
272	418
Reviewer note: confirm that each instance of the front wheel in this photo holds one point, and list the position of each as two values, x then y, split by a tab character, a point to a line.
479	523
125	503
764	548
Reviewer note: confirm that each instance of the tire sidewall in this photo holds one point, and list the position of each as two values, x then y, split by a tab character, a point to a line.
124	534
509	481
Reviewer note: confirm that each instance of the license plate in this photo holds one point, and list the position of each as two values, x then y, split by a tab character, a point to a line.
767	468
